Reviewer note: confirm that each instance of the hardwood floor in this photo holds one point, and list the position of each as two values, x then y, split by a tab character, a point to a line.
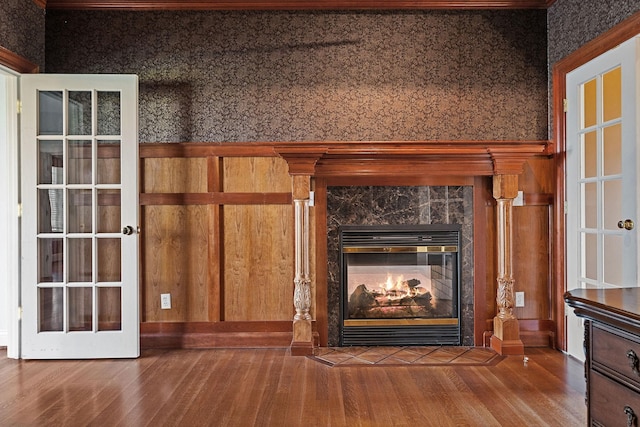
267	387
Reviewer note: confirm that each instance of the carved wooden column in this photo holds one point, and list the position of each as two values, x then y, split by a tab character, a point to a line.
302	343
506	332
302	161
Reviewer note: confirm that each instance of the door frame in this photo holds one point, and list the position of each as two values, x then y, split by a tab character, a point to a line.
13	64
591	50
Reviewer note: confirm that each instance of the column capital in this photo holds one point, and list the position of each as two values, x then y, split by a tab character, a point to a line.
505	186
301	159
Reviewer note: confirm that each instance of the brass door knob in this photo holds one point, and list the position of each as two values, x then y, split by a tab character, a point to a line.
627	224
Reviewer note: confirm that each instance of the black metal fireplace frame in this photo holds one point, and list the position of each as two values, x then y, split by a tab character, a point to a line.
401	331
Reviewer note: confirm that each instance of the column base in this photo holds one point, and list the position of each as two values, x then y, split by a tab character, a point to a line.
303	342
507	347
506	337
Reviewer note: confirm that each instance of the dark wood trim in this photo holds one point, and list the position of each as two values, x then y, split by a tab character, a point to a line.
538	199
16	62
216	334
214	296
321	314
601	44
395	180
215	198
293	4
198	149
41	3
480	312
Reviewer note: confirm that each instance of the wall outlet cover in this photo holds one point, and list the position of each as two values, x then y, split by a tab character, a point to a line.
165	301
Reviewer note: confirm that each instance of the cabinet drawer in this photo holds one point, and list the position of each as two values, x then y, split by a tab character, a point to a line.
616	352
611	403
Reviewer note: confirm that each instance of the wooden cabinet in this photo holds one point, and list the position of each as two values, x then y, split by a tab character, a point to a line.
612	349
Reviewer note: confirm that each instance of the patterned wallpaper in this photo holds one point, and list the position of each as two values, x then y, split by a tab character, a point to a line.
22	25
308	76
572	23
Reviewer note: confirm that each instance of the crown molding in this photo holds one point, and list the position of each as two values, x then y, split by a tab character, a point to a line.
16	62
292	4
409	158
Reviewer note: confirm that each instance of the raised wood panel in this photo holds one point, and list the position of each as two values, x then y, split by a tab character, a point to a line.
258	262
174	175
531	260
538	176
255	174
175	261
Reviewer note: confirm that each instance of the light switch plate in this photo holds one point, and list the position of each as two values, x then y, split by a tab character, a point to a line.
519	299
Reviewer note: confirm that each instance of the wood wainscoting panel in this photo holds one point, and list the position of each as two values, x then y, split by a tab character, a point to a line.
531	261
258	262
255	174
174	175
175	261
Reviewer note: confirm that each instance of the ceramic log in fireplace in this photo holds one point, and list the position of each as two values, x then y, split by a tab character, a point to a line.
400	285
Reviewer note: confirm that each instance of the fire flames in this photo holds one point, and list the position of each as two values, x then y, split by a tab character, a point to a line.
399	288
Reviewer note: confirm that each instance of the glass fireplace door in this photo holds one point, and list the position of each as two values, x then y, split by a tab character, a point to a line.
400	285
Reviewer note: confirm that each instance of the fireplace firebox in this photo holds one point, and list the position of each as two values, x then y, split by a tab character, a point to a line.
400	285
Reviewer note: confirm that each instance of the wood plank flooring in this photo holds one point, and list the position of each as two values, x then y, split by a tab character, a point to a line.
267	387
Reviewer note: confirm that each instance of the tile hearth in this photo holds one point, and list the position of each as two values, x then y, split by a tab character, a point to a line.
406	355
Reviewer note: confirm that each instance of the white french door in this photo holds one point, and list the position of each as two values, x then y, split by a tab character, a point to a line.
79	158
601	178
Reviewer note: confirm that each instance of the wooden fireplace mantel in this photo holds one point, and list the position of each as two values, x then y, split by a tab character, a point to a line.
409	158
504	160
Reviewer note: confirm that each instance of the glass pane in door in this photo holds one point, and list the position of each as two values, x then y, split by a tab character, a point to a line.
80	302
612	94
109	211
79	113
613	259
79	163
109	309
108	162
109	113
50	260
50	309
109	260
50	112
80	211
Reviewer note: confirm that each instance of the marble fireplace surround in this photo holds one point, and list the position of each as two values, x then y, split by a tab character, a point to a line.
319	166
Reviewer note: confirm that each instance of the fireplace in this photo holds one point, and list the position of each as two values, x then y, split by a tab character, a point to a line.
400	285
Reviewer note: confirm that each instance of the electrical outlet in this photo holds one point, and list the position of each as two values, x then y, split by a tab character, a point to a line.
519	299
165	301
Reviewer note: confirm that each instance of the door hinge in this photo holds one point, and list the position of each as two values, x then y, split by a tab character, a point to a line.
19	106
566	207
19	210
20	313
565	105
